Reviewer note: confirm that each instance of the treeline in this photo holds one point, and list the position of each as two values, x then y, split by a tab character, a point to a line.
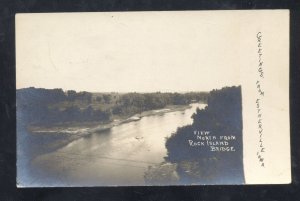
132	103
222	117
49	106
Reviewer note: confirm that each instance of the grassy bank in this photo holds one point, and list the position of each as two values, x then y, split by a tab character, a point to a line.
50	138
84	128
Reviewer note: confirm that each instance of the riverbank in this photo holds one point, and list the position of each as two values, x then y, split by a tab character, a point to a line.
90	127
85	128
100	159
50	138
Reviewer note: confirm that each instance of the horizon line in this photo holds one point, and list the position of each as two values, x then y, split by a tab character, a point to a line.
159	91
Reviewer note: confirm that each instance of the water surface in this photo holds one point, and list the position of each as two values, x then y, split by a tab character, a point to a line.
118	156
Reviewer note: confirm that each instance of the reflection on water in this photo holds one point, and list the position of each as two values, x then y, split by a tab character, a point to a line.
119	156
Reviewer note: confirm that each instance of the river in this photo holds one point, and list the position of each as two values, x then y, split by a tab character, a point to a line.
118	156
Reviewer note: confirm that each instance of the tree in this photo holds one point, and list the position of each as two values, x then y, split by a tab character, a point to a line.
99	99
107	98
71	95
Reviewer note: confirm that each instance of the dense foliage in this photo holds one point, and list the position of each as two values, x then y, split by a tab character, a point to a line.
222	117
47	106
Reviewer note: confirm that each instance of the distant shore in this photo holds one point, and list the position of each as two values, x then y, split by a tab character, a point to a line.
61	135
85	128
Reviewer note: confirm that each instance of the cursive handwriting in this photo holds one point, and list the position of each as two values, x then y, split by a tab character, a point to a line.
259	100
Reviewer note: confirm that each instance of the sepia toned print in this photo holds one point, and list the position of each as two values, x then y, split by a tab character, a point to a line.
151	98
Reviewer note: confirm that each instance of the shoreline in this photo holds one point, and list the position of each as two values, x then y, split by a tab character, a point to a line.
71	133
86	128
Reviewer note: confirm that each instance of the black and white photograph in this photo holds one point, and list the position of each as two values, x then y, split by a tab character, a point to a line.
152	98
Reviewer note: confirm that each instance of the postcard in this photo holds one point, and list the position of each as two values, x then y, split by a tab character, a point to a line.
153	98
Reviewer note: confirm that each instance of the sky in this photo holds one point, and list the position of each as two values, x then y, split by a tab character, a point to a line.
128	51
